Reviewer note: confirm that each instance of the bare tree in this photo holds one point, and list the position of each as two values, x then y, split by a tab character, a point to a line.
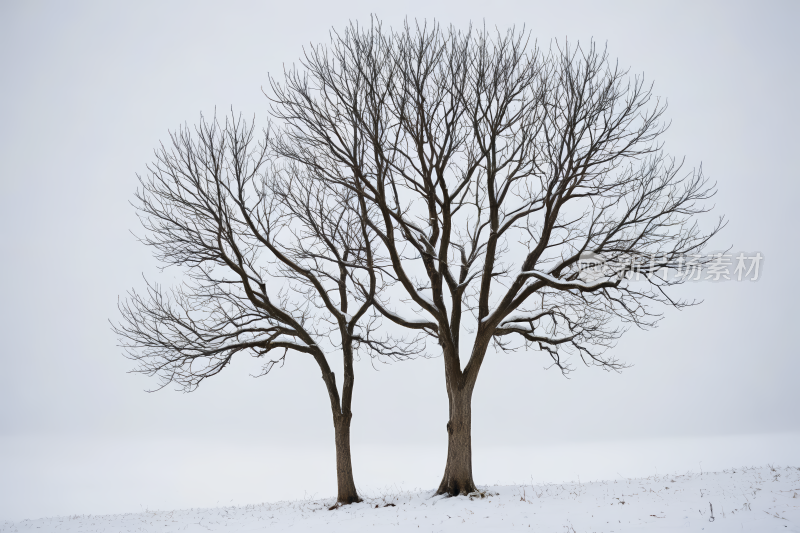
494	167
271	256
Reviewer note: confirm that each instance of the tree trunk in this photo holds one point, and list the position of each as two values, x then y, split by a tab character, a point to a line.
344	467
458	471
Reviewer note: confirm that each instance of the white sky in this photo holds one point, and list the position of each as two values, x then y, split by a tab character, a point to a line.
88	90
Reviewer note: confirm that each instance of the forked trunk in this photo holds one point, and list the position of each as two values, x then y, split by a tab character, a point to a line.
344	467
458	472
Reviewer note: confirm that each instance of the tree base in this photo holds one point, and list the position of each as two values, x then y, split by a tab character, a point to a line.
344	501
457	479
348	500
456	487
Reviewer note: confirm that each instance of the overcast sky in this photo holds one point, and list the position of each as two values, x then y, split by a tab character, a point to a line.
89	90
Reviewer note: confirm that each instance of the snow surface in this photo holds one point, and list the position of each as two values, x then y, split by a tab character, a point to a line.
748	499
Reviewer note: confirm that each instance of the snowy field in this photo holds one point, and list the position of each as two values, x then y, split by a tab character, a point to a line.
747	499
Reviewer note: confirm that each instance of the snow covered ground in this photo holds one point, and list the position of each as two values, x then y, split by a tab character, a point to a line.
748	499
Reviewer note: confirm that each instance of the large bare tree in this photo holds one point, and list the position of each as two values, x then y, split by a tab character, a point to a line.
493	168
271	258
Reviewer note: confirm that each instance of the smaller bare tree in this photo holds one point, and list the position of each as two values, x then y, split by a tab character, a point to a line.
271	259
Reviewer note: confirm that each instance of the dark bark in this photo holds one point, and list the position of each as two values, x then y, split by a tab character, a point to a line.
457	477
342	415
347	492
